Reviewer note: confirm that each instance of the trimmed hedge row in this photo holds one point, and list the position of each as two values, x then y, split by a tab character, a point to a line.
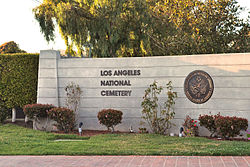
18	79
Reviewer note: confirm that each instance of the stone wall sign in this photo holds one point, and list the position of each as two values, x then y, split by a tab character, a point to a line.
120	83
198	86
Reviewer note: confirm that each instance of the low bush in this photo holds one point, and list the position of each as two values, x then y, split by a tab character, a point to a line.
64	117
248	135
230	126
110	118
143	130
37	110
190	127
208	121
223	126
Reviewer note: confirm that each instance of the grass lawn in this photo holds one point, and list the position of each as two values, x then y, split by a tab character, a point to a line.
16	140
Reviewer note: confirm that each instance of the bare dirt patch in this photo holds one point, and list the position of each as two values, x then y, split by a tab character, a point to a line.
89	133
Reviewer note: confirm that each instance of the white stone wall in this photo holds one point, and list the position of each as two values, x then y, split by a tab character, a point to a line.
230	74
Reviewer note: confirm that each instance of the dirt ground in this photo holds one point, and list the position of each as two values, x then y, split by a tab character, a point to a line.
93	132
84	132
89	133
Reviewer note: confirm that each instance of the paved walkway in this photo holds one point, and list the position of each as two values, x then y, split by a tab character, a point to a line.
124	161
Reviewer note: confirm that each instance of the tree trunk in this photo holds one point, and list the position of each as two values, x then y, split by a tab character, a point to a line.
13	115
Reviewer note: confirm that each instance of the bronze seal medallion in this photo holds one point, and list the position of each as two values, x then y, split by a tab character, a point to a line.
198	86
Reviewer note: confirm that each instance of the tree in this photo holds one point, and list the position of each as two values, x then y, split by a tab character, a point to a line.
113	27
117	28
10	47
196	27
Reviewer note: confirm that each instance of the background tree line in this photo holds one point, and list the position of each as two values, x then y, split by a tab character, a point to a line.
10	47
123	28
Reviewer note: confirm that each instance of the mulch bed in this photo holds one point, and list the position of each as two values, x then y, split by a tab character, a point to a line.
89	133
29	124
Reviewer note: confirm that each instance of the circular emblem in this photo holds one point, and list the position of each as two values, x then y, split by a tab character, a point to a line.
198	86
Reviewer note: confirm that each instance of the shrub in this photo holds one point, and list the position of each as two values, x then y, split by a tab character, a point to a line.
34	111
156	115
190	127
143	130
230	126
248	134
18	79
64	117
110	118
224	126
4	113
208	121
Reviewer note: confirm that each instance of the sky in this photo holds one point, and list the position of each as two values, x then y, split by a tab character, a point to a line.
18	24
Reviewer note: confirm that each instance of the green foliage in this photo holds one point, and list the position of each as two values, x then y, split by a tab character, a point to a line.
64	117
110	118
18	79
190	127
248	135
224	126
4	113
230	126
117	28
143	130
198	27
208	121
113	27
37	110
157	116
10	47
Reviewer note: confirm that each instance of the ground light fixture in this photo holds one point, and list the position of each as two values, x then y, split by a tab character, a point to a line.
80	128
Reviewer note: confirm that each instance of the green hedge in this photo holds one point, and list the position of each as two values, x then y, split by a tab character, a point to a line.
18	79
